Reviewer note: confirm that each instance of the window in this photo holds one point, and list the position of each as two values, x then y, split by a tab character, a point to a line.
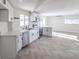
42	21
26	20
72	20
23	20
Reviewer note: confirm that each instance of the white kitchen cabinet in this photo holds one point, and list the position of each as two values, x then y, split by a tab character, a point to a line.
47	31
7	13
7	10
25	38
32	17
10	45
33	35
19	43
34	20
36	33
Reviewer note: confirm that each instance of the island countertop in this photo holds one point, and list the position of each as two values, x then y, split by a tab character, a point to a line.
10	34
13	33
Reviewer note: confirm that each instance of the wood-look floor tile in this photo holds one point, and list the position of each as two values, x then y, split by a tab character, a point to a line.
51	48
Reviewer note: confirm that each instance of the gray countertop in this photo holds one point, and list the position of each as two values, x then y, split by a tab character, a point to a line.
13	33
10	34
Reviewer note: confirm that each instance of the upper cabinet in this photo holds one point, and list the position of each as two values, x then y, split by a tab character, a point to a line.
6	11
34	20
34	17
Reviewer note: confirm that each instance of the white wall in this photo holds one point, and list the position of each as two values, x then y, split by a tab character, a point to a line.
57	23
16	22
17	12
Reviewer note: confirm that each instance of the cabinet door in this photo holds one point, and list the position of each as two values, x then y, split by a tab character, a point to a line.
45	31
36	34
31	36
33	17
25	38
49	32
19	43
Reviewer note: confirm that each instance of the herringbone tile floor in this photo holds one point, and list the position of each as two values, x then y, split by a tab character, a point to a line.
51	48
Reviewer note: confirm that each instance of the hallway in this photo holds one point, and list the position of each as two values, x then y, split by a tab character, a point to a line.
51	48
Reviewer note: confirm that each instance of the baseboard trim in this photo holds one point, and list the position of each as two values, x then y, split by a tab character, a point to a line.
46	36
66	32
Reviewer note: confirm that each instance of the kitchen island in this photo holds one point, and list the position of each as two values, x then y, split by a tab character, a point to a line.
10	45
12	42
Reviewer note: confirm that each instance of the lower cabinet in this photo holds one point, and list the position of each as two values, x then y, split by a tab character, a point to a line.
25	38
10	45
19	43
33	35
47	31
29	36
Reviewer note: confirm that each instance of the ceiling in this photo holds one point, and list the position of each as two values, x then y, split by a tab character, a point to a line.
26	4
49	7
